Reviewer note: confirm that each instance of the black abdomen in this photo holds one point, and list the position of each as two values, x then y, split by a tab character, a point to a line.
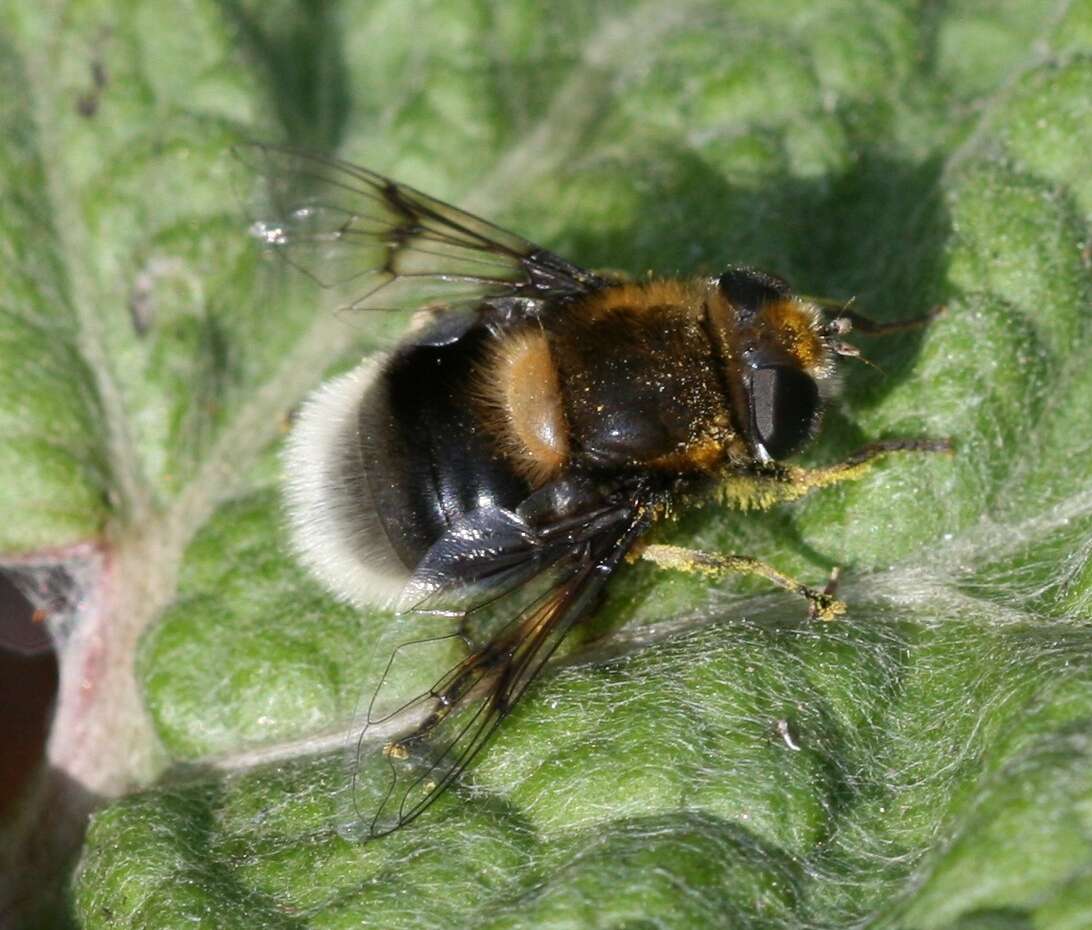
427	456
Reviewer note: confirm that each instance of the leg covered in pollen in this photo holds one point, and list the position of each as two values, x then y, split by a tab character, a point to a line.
807	479
762	488
822	605
759	490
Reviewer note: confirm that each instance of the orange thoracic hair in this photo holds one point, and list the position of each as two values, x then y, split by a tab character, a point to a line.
521	403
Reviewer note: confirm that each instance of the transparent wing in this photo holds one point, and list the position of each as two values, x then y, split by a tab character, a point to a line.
450	723
392	247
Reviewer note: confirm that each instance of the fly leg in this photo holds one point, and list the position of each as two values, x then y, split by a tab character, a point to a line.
843	318
762	488
822	605
774	484
803	480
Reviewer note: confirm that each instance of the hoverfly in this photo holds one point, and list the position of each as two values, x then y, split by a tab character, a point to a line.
532	426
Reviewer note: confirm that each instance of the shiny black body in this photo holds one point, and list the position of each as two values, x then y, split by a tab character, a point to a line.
428	459
635	387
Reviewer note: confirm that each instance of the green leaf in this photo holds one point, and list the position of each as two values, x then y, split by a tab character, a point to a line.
703	754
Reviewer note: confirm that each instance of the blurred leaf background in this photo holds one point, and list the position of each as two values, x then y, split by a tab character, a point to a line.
706	756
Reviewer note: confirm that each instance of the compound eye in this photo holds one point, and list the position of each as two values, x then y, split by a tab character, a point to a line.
784	408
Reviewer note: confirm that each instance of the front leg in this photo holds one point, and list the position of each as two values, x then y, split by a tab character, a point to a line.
806	479
768	485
